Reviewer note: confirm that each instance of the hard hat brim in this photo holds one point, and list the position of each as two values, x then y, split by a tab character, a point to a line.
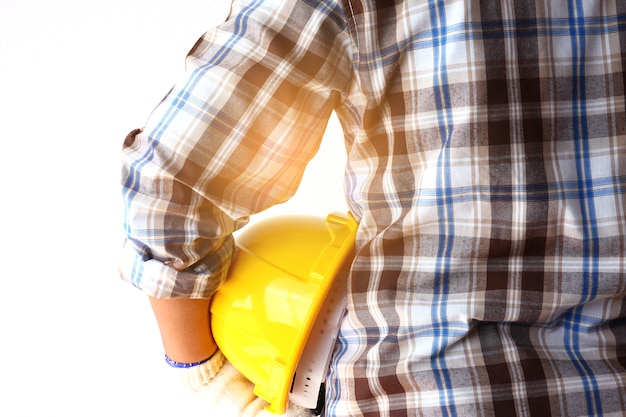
277	284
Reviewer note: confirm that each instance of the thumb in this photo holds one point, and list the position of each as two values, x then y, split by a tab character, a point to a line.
230	394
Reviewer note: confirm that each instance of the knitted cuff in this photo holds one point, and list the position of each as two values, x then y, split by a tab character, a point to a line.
227	392
198	376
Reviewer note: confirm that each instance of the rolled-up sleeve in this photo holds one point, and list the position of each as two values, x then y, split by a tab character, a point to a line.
230	139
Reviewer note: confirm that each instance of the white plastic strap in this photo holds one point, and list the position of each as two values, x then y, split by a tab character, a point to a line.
315	360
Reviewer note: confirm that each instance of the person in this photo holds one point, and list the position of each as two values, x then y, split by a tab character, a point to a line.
486	145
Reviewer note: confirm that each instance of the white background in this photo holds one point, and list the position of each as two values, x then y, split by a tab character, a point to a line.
76	76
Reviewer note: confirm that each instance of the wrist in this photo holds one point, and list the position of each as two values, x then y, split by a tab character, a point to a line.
199	376
176	364
185	328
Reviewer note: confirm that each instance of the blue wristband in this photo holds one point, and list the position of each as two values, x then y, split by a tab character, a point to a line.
175	364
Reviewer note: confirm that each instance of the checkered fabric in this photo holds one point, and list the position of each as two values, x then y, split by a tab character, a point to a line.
486	149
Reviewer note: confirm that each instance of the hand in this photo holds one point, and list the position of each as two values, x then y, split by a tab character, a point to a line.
228	393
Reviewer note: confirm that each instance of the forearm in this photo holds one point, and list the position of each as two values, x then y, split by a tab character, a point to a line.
185	328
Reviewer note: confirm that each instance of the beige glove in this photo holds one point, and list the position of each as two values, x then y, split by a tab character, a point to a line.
228	393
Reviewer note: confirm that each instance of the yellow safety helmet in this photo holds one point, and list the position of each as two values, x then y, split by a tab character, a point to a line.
283	288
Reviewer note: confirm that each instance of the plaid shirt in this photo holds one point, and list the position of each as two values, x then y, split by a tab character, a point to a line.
486	163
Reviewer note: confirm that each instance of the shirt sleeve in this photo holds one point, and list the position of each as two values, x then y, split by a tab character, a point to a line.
230	139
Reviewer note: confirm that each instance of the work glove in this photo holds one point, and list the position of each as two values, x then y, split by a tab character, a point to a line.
228	393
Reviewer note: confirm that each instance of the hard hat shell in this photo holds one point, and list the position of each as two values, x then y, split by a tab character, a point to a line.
280	276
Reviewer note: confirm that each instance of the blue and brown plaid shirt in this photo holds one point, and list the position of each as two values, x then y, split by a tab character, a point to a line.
486	147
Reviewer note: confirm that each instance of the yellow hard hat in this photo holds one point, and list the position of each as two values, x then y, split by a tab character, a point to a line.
262	316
